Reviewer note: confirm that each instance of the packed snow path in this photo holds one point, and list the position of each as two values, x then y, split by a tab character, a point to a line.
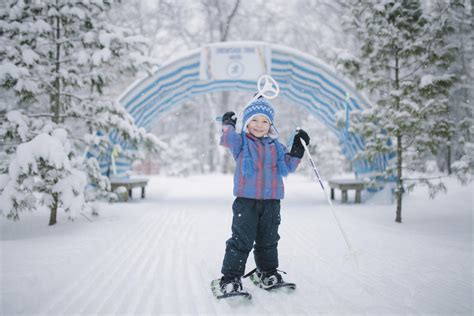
159	255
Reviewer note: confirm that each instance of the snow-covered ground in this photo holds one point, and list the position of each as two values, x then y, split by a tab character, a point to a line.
159	255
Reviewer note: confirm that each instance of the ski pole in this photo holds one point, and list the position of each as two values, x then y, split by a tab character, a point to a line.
318	175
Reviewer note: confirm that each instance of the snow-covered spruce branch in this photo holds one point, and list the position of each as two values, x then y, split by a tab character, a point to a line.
421	63
415	70
10	144
53	43
426	178
52	89
61	116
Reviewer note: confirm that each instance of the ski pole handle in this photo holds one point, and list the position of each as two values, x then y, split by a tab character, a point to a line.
267	88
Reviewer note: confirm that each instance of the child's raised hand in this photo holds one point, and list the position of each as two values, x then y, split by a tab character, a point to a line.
302	134
229	118
297	149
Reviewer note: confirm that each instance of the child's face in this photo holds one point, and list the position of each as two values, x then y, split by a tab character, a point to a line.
259	126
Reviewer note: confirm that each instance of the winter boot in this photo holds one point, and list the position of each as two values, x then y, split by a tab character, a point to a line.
230	284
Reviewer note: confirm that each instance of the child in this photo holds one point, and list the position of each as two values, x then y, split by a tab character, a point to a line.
261	163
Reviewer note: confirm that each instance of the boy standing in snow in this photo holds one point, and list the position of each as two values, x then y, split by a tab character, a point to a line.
261	163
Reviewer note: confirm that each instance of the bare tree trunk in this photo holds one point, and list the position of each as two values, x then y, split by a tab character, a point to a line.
399	192
224	27
54	210
448	157
57	81
223	157
56	107
211	152
212	166
202	141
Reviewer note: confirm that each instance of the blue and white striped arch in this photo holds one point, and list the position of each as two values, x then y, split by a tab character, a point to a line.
303	79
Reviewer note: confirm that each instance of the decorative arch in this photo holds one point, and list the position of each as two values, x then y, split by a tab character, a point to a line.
303	79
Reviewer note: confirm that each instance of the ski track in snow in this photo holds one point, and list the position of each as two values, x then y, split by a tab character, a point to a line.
79	295
164	261
135	276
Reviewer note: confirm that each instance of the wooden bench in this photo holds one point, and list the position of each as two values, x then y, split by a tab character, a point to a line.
129	184
344	186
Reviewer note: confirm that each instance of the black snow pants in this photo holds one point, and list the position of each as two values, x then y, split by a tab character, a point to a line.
254	225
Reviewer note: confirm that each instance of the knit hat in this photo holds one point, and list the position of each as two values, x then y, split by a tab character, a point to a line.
261	106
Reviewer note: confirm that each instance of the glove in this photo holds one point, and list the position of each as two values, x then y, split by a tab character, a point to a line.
229	118
297	149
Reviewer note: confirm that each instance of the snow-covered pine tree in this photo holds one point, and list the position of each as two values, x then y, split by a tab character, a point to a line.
458	154
43	173
403	61
60	59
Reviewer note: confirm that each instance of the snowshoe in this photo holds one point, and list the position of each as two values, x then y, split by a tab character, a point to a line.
269	280
228	287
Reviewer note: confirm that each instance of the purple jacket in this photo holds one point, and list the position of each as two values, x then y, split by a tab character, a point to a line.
265	183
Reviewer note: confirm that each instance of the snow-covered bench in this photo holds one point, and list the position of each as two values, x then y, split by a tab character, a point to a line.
346	185
129	184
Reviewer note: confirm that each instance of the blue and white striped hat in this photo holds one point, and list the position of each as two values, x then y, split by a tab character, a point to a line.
261	106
